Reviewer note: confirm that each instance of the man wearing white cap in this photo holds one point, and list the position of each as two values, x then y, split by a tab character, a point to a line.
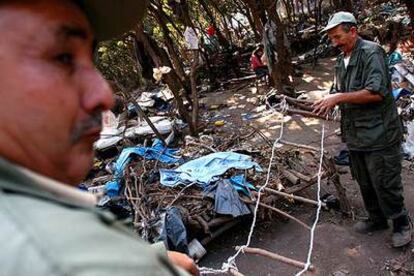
370	126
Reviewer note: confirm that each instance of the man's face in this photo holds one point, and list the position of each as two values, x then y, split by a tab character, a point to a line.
345	41
51	94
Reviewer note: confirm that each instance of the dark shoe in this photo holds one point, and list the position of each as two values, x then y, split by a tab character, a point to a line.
368	226
342	159
401	231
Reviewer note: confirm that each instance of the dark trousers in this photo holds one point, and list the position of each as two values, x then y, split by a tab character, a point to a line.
378	174
261	71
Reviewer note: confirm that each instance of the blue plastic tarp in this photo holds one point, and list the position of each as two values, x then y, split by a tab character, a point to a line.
157	152
207	169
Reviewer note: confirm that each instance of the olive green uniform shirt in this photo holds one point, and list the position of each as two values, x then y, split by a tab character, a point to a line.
48	228
373	126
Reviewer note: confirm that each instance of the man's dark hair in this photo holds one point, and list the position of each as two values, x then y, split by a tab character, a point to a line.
347	26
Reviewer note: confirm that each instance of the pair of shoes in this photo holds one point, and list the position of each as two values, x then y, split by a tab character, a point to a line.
401	233
370	225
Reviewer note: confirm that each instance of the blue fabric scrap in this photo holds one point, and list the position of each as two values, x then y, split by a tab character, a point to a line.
240	183
207	169
227	200
157	152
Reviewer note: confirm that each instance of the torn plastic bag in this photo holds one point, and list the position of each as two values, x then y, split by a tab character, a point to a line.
174	233
206	169
227	200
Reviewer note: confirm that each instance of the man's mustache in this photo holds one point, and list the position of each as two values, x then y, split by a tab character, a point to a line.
94	121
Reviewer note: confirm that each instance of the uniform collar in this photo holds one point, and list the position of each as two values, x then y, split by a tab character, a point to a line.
17	179
354	59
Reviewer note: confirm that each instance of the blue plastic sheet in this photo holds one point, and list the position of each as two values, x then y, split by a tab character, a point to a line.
157	152
206	169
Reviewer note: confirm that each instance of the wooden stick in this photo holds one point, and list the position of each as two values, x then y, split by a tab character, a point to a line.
291	177
298	198
301	176
277	211
219	231
219	221
299	145
274	256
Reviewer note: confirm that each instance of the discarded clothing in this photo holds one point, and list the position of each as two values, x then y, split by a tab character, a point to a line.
227	200
157	152
174	232
342	159
206	169
239	182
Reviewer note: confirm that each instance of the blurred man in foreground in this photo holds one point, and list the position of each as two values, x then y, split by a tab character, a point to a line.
52	98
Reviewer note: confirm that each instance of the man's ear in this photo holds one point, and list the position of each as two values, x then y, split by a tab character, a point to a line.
353	30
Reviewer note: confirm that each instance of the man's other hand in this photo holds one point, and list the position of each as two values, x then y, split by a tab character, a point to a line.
322	107
183	261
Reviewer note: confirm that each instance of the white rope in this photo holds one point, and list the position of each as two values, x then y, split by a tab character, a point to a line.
231	264
312	231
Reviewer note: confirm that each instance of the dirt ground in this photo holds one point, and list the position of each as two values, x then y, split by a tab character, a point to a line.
337	249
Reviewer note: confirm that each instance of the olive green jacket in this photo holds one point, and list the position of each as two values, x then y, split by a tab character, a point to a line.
48	228
373	126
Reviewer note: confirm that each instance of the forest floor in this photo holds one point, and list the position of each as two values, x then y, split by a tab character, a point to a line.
337	249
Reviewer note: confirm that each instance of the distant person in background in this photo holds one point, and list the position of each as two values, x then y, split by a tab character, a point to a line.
259	68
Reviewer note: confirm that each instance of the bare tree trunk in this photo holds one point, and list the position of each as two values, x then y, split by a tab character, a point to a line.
222	40
160	58
160	16
194	93
244	9
257	17
282	69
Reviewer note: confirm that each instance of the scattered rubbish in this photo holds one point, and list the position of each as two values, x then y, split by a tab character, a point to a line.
206	169
162	124
331	202
157	152
158	72
219	123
